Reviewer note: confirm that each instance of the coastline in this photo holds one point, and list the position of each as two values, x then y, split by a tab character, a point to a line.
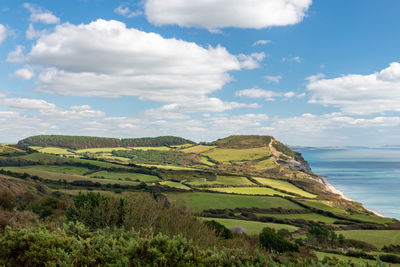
336	191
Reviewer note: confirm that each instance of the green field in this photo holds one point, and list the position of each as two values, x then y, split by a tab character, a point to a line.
378	238
229	154
199	201
159	148
125	176
168	167
197	149
308	217
56	176
225	180
284	185
175	184
251	227
250	191
264	164
52	168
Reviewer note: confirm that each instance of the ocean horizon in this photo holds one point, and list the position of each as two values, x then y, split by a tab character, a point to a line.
370	176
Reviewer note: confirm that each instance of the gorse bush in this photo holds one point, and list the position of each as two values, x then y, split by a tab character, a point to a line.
75	245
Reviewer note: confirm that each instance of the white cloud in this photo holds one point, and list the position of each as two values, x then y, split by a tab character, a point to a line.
251	61
40	15
274	79
17	55
214	14
268	95
106	59
292	59
125	11
31	33
261	42
178	111
359	94
24	74
49	111
3	33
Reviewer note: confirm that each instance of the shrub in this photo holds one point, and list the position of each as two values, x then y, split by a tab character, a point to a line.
272	241
219	229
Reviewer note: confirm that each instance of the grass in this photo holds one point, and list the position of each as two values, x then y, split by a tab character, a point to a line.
168	167
308	217
321	206
378	238
250	191
197	149
199	201
175	184
371	218
251	227
58	169
205	160
264	164
284	185
229	154
56	176
225	180
124	176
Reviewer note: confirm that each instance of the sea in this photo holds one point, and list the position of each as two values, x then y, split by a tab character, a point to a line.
367	175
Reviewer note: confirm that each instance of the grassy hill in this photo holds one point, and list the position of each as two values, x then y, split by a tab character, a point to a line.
250	182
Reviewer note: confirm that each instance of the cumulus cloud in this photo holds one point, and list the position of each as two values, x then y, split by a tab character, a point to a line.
40	15
17	55
268	95
261	42
274	79
107	59
178	111
24	74
125	11
31	33
49	111
214	14
359	94
3	33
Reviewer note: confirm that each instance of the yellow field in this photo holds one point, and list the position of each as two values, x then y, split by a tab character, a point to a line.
55	150
229	154
283	185
197	149
100	150
225	180
175	184
249	191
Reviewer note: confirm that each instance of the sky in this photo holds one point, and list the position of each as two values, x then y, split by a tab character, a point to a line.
310	73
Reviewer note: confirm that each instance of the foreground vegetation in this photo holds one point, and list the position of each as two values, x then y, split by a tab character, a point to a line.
239	201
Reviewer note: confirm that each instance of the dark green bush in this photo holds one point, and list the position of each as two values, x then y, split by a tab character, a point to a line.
219	229
272	241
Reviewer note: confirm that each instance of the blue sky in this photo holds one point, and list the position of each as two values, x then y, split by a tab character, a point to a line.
319	73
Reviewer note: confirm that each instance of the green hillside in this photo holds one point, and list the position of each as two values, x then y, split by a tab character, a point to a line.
169	187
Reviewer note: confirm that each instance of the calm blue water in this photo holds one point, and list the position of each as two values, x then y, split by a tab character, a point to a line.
369	176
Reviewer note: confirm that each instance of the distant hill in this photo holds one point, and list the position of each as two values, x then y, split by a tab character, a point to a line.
83	142
243	141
